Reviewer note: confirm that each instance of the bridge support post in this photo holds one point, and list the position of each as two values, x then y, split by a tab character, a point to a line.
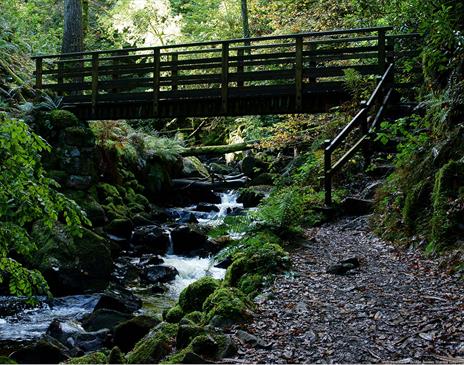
382	54
225	78
156	80
94	84
327	173
38	72
299	74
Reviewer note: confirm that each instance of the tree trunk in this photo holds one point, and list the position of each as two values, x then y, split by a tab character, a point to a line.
246	24
73	38
85	17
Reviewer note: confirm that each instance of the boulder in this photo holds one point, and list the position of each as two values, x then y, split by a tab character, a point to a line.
205	346
252	167
174	315
206	207
250	198
186	333
160	274
45	351
150	239
188	241
120	228
262	179
128	333
116	356
192	297
71	264
92	358
343	267
355	207
104	319
119	299
193	167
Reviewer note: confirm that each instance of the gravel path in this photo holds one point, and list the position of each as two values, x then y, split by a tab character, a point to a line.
396	307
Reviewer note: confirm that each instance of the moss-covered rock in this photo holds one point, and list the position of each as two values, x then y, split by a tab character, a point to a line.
79	136
104	318
192	297
228	303
205	346
60	119
186	333
266	259
116	356
72	264
250	284
193	167
93	358
6	360
174	315
447	195
154	346
128	333
195	317
121	227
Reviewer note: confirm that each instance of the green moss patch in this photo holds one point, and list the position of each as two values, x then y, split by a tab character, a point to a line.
192	297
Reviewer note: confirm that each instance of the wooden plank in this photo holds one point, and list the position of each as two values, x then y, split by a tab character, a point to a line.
94	83
299	74
156	81
38	72
355	122
225	78
60	78
327	173
240	66
382	50
346	157
174	71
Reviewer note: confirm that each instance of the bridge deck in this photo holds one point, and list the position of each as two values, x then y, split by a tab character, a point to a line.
268	75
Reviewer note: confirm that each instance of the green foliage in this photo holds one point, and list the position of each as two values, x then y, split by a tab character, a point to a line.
359	86
27	195
92	358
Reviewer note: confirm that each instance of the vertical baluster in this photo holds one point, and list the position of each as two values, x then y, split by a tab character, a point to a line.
38	72
381	50
94	84
312	60
174	71
225	78
156	80
60	78
299	74
240	67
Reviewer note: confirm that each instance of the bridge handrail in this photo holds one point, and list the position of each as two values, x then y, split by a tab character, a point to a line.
217	42
382	91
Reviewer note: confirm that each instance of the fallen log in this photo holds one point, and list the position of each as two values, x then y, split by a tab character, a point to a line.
218	150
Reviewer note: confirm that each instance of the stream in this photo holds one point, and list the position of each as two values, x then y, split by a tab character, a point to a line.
30	324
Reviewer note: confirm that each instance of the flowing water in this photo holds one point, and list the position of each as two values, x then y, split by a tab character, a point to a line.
33	323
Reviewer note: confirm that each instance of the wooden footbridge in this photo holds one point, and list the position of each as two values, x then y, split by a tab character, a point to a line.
287	74
298	73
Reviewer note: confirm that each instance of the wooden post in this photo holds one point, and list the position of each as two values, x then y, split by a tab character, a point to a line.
240	67
312	60
382	50
174	71
94	83
60	79
225	77
299	74
38	72
115	74
365	131
327	173
156	80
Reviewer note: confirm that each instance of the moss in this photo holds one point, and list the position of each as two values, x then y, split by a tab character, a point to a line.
205	346
154	346
250	284
128	333
116	356
93	358
192	166
228	303
414	204
174	315
62	119
448	182
109	193
266	259
177	357
196	317
79	136
6	360
186	333
192	297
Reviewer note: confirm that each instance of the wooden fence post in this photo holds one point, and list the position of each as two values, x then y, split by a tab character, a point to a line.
225	78
174	71
38	72
60	79
299	74
327	173
156	80
240	67
94	83
382	55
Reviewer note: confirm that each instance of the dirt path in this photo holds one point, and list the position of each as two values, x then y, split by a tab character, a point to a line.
398	306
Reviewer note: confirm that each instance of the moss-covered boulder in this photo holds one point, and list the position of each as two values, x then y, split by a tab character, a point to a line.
229	304
193	167
116	356
72	264
448	199
120	227
186	333
60	119
104	318
174	315
128	333
154	346
250	284
195	317
266	259
92	358
192	297
205	346
79	136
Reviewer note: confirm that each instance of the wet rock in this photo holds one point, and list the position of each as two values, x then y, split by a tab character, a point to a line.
120	228
46	351
74	337
252	167
104	318
128	333
151	260
119	299
150	239
188	241
188	219
224	264
160	274
205	207
356	207
250	198
343	267
221	169
10	305
141	220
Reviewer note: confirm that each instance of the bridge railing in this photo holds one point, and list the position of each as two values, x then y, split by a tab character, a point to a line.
295	64
366	120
